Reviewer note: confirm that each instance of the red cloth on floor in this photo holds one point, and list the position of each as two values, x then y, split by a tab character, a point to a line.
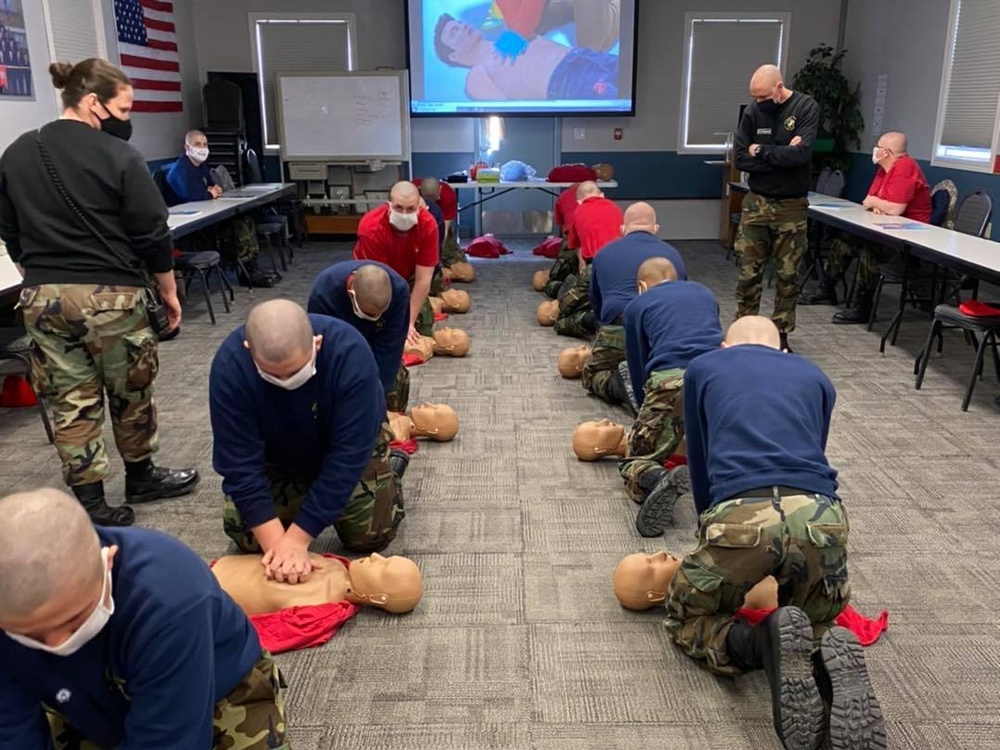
976	309
412	360
486	246
674	461
408	446
548	249
438	317
867	630
16	393
302	627
572	173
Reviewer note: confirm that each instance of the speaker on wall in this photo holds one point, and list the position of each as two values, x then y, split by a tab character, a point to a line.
251	121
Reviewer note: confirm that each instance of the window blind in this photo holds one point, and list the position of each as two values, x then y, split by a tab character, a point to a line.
970	102
75	34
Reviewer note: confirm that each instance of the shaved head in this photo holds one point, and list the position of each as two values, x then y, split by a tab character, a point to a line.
48	547
430	187
766	75
895	142
372	289
404	191
655	271
754	329
586	190
641	217
279	330
766	83
192	137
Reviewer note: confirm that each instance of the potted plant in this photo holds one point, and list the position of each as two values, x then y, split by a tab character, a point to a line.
840	120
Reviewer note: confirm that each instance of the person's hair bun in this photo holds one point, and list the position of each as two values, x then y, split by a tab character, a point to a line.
60	73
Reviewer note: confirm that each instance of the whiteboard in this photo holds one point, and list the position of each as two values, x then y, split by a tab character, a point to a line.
344	116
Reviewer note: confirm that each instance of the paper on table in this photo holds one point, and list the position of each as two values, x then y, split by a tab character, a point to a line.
185	212
10	278
901	225
830	205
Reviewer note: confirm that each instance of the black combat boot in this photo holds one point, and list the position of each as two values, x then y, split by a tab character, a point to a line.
785	645
91	497
784	343
856	721
825	294
145	482
398	461
649	480
626	377
859	311
615	391
657	511
565	286
742	647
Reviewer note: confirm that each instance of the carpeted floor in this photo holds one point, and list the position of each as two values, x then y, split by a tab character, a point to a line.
518	642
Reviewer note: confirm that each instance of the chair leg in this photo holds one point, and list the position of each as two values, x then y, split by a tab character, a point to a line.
208	294
920	367
977	368
270	252
223	284
996	355
226	286
281	252
902	308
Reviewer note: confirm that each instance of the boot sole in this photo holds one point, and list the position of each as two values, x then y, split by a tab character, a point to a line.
856	721
657	511
162	494
799	717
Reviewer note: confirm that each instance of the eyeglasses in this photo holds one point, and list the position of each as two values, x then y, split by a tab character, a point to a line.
357	309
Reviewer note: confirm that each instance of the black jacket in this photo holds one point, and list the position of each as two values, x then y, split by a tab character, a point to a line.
778	170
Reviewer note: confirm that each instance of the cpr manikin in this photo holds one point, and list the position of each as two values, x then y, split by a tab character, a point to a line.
595	440
548	312
455	300
451	342
641	581
423	347
539	280
462	271
390	583
435	421
571	361
399	424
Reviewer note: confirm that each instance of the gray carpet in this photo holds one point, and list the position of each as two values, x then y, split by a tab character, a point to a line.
518	642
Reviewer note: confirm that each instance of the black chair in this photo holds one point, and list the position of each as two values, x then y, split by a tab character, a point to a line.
203	264
291	209
169	196
269	223
15	359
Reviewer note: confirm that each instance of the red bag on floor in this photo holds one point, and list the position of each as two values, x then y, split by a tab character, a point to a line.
412	360
549	249
409	447
16	393
486	246
572	173
867	630
976	309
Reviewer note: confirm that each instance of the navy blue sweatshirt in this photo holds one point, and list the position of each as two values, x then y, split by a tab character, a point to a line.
190	182
175	646
387	335
667	327
438	214
613	278
326	428
756	417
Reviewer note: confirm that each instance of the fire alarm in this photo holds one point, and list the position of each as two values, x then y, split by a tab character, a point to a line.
619	133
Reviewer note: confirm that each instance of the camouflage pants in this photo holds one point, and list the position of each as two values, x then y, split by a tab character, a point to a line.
657	431
437	282
367	524
399	395
245	238
775	229
566	264
607	354
800	539
88	340
425	320
574	306
870	256
251	717
451	251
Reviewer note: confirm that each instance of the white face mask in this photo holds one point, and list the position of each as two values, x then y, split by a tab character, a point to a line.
295	381
403	222
198	155
90	629
875	156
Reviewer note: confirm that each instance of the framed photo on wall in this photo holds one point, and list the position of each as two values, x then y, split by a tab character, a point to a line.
15	60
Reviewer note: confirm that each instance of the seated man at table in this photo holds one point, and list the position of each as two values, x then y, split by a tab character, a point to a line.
403	235
898	190
612	287
375	300
122	638
191	180
300	438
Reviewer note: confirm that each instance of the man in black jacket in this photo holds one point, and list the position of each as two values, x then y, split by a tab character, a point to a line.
774	146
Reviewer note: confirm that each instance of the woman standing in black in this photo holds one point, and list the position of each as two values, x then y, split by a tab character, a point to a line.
82	217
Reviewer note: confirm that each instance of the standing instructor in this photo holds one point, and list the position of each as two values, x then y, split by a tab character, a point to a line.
774	146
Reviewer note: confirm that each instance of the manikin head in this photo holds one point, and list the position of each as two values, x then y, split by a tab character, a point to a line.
641	581
753	329
640	217
423	347
539	280
458	44
435	421
55	579
605	172
455	300
596	439
370	290
96	93
767	88
654	271
463	271
404	206
279	336
390	583
196	146
451	342
430	188
889	149
588	189
548	312
571	361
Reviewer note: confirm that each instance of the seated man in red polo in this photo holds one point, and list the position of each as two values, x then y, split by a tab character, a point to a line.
404	236
898	190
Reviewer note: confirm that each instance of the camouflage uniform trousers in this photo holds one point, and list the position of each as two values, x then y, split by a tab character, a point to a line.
574	306
438	284
608	352
398	396
245	238
870	255
88	340
367	524
566	264
451	251
251	717
799	539
425	319
771	228
657	431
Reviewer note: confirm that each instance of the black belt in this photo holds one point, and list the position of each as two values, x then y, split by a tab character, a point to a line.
778	490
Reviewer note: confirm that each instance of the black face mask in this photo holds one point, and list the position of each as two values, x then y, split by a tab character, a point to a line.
768	106
117	127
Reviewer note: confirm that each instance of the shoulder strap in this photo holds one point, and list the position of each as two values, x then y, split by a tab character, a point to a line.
133	264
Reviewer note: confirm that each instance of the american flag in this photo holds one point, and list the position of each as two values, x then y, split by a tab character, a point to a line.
147	46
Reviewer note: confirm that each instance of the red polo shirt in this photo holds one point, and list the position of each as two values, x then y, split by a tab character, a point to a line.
597	222
447	200
565	208
904	183
401	251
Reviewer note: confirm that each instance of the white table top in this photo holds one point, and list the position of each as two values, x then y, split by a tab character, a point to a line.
197	212
10	278
526	184
204	213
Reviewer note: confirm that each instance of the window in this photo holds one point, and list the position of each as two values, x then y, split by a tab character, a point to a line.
970	88
303	43
721	51
75	30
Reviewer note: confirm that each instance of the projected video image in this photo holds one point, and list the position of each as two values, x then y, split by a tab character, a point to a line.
527	56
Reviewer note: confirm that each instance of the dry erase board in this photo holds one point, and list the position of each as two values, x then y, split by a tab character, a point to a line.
344	116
